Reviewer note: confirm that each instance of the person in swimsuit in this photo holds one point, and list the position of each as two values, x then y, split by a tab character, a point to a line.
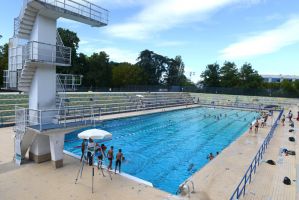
100	153
211	156
250	127
119	158
90	148
110	157
283	119
256	126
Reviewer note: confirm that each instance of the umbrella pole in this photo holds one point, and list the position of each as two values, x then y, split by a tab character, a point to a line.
80	171
92	175
101	162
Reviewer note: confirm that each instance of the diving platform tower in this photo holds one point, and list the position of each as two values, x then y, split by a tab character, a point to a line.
34	52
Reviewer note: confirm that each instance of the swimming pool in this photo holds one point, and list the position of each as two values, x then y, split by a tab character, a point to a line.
167	148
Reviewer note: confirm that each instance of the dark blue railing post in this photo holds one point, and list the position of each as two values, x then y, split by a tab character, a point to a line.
245	185
250	173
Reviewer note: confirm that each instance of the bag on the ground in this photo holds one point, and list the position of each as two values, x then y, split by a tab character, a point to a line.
291	130
293	153
270	162
287	181
292	125
291	139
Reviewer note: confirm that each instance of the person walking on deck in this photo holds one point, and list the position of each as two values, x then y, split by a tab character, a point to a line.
256	126
250	127
119	158
283	119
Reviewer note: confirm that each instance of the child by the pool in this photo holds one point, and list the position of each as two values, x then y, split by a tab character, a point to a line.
119	158
110	157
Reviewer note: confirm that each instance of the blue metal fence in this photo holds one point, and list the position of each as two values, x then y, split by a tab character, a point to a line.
241	188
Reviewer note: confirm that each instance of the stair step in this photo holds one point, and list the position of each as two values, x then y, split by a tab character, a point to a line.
24	31
23	88
26	27
24	84
32	8
30	12
25	80
28	73
27	23
23	35
28	15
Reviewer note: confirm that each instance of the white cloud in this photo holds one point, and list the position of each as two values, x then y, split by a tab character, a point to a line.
264	42
166	14
170	43
115	54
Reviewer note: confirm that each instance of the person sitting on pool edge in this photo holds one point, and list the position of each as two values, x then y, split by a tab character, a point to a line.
119	158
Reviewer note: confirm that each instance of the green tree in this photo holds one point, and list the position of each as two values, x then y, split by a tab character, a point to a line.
3	61
153	65
296	85
229	75
99	72
70	39
175	72
126	74
249	78
288	88
211	76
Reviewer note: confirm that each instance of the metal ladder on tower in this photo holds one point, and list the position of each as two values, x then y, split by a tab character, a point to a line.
61	97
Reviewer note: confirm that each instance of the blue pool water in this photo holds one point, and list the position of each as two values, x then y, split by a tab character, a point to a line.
162	148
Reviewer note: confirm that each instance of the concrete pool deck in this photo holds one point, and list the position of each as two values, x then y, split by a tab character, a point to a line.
217	180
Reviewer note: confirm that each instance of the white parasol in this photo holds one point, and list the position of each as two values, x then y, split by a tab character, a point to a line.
96	134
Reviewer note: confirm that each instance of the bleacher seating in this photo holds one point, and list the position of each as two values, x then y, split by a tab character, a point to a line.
101	103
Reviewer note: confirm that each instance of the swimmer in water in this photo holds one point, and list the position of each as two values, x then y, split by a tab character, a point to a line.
190	167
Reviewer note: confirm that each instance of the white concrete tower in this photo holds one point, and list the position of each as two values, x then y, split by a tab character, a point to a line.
34	52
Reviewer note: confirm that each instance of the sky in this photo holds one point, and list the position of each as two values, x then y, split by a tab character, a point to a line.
264	33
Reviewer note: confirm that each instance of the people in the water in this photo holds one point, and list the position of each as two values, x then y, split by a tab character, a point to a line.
210	156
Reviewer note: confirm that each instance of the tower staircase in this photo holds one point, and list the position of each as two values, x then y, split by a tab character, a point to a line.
33	57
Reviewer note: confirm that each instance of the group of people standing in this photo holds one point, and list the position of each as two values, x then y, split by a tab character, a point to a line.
289	116
259	122
99	151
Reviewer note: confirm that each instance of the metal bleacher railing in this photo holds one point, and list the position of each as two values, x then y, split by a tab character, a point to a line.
81	106
241	188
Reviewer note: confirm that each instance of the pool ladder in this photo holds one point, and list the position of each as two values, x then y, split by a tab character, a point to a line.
186	185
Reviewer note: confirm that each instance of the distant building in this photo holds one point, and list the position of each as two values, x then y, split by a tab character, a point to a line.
279	78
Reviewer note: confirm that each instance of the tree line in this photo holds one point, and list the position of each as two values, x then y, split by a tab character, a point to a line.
244	80
98	71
